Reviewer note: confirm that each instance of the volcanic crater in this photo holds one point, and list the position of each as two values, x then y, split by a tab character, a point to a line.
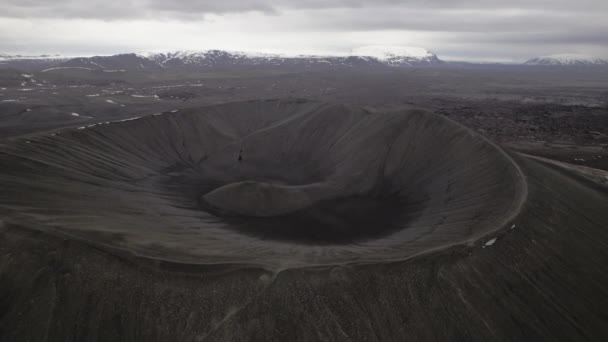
267	183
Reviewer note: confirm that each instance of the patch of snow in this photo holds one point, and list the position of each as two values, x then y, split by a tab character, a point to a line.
80	116
93	95
513	226
110	101
490	242
61	68
27	76
9	100
170	86
99	65
385	52
174	111
129	119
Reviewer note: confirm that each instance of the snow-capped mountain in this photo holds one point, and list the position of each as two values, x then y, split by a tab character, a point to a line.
567	60
397	55
364	57
208	58
372	55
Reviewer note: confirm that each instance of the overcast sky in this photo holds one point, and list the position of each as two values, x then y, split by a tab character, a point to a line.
476	30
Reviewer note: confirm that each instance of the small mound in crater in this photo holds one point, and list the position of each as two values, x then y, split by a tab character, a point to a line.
257	199
265	182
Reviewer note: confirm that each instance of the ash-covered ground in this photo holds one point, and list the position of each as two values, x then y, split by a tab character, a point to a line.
281	204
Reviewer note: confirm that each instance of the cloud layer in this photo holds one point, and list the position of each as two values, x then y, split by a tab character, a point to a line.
475	30
138	9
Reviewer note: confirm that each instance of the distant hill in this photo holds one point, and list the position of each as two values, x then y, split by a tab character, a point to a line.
567	60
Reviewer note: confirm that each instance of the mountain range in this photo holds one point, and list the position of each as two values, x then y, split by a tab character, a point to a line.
368	56
220	58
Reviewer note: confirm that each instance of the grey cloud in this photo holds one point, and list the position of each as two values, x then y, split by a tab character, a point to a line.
456	21
563	37
150	9
484	28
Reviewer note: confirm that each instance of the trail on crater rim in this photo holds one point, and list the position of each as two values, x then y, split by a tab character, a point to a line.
269	183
